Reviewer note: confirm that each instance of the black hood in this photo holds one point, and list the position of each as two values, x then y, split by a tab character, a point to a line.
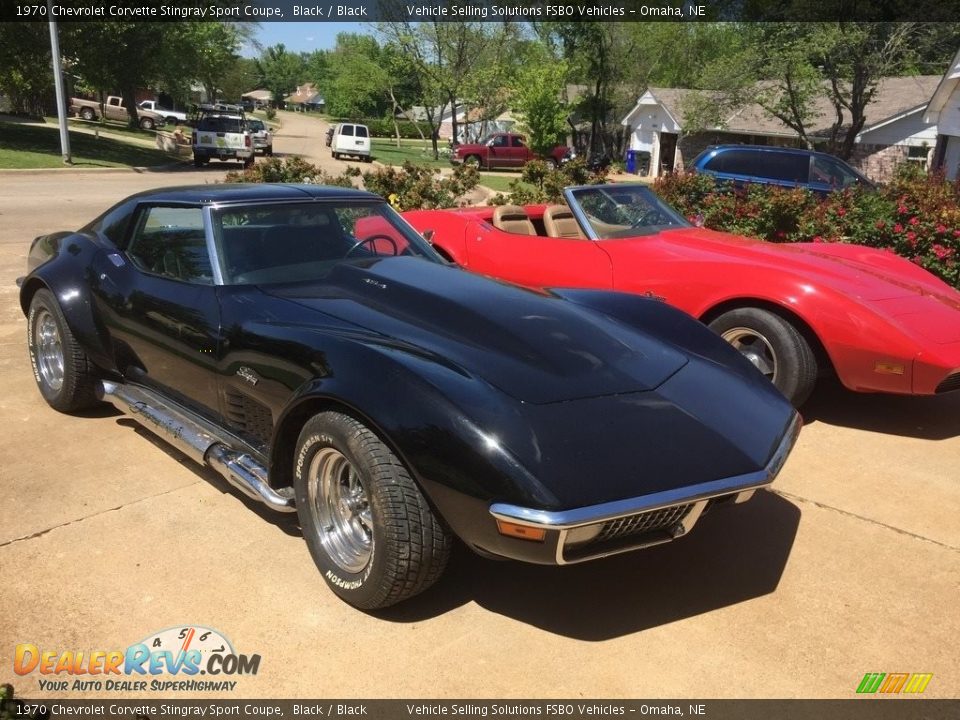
535	347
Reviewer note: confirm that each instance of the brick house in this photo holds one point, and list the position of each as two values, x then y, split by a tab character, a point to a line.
895	130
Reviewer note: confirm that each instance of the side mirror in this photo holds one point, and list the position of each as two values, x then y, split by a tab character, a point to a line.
428	235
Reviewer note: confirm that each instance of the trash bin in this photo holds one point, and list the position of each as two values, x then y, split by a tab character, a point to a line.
631	162
643	162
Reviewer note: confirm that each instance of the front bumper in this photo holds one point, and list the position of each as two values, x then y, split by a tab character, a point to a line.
223	153
588	533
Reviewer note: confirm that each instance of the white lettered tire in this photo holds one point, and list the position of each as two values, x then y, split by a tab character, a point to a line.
369	529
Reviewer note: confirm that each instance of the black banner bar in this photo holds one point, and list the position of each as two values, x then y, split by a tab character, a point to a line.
892	708
481	10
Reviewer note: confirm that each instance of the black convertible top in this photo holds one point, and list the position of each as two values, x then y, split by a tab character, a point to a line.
251	192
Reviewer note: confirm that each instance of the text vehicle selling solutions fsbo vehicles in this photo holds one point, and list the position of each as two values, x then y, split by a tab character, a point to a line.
308	345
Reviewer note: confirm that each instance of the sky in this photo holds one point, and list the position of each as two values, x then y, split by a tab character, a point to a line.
303	36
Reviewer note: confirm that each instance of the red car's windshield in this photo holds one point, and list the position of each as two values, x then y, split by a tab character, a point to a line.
616	211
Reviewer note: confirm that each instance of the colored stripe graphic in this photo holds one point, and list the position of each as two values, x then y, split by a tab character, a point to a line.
870	682
918	682
894	682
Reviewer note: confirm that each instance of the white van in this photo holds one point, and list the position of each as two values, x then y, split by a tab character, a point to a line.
351	139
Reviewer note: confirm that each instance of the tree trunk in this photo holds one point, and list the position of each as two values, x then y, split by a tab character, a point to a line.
129	95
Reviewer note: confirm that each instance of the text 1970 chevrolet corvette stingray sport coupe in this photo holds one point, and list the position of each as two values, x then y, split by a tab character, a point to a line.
308	345
796	311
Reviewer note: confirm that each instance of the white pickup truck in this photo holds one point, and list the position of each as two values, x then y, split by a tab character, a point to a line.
171	116
221	135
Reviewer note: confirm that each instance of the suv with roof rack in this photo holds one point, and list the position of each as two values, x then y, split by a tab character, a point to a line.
221	134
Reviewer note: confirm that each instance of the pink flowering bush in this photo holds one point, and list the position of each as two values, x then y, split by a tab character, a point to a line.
916	216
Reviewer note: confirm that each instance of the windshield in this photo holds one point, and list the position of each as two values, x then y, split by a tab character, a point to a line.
294	242
255	125
616	211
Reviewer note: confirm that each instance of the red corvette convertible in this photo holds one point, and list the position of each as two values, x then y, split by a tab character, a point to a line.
797	311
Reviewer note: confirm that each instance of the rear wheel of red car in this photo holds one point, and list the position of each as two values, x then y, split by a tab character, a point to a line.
472	161
774	346
551	164
64	373
367	525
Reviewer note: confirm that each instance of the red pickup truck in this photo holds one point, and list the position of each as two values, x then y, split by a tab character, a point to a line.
505	150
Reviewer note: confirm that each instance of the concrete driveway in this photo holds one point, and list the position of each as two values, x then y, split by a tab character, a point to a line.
107	535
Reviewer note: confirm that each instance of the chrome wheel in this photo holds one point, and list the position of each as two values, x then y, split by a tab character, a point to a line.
342	508
48	350
755	348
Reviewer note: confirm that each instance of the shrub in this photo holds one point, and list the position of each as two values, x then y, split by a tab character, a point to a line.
915	216
414	187
539	184
290	170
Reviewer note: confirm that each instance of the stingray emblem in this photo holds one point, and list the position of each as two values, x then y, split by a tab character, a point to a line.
247	374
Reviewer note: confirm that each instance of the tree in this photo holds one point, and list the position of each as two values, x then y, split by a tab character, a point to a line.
597	53
280	71
537	95
26	75
442	57
357	81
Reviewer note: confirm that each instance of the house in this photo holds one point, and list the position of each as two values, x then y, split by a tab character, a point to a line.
944	110
472	122
895	131
259	97
305	98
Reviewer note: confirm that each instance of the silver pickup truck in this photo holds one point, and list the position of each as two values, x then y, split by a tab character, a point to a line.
221	135
113	109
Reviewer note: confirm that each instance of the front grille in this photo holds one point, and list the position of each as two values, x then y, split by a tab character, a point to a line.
951	382
664	518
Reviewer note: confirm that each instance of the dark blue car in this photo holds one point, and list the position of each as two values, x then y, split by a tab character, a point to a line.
786	167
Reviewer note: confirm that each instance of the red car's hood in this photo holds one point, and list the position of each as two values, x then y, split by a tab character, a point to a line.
853	270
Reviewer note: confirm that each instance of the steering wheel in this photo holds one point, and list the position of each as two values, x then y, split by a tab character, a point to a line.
369	241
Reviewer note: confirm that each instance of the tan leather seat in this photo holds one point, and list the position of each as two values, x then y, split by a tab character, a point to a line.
560	223
513	219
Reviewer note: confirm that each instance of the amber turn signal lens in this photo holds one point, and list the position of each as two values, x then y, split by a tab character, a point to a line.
888	368
524	532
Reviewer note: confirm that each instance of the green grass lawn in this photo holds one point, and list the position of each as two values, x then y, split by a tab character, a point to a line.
385	150
114	128
500	183
38	146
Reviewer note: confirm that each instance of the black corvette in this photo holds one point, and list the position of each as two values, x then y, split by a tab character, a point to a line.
312	348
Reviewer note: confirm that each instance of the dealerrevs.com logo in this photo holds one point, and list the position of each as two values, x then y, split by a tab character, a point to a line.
169	660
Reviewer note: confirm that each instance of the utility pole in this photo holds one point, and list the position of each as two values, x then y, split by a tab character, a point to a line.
58	84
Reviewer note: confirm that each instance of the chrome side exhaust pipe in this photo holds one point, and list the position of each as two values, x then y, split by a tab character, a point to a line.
198	440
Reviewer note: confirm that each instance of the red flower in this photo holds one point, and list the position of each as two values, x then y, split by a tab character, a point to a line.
917	259
881	224
941	252
941	228
841	211
912	239
817	239
914	220
902	209
898	228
